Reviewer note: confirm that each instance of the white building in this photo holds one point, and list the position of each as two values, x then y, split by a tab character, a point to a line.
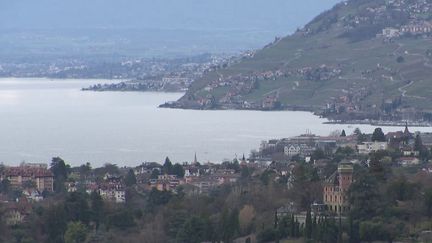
391	32
292	150
368	147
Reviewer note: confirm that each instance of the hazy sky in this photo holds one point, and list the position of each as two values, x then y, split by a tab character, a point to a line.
272	15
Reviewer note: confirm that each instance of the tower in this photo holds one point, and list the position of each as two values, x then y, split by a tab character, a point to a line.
195	160
243	161
345	171
336	187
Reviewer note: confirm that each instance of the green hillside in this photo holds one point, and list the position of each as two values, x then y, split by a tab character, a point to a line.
361	59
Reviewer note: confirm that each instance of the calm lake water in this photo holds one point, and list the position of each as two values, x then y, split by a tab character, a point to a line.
41	118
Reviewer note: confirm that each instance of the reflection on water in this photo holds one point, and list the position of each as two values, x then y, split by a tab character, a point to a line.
42	118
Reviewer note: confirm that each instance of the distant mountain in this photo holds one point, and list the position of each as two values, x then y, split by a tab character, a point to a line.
146	28
363	59
271	15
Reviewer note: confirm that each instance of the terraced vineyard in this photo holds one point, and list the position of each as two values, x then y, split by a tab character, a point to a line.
362	59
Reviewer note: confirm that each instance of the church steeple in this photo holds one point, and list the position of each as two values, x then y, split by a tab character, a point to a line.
195	160
243	161
407	135
406	132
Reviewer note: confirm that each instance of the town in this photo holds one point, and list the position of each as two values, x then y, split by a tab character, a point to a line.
322	188
161	75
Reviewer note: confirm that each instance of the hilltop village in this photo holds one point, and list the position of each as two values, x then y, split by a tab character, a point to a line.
304	187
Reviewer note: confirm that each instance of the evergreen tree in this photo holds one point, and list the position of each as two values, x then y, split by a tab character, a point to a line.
60	172
357	131
76	233
418	144
229	225
178	170
122	220
85	170
130	179
315	228
308	225
353	231
297	229
364	197
76	207
55	223
155	173
167	166
428	202
4	186
97	208
343	134
193	231
293	226
360	136
378	135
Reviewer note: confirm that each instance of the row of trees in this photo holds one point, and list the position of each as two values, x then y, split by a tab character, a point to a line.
316	229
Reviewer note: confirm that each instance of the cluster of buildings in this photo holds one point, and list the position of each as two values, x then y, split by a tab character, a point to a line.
415	11
243	84
32	180
304	145
415	7
110	187
27	175
414	28
335	187
335	197
197	178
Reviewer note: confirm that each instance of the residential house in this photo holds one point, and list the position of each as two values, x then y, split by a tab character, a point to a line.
398	140
203	185
390	33
116	179
286	211
92	187
33	195
112	192
165	183
336	187
408	151
408	161
14	215
41	176
147	168
191	171
16	212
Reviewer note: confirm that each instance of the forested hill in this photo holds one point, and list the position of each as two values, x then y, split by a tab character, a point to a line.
361	59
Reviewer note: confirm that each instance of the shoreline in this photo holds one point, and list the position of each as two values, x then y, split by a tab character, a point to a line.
401	123
175	105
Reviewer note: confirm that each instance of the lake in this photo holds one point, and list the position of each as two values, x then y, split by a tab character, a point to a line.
41	118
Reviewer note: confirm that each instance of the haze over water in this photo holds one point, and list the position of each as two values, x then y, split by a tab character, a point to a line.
41	118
